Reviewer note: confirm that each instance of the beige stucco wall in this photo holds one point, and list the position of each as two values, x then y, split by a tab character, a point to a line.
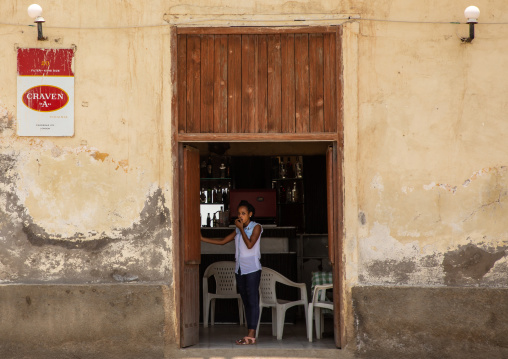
430	155
425	173
95	186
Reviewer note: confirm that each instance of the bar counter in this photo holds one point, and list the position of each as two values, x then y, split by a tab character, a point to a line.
268	231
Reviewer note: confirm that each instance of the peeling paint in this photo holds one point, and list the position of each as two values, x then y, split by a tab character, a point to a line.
362	218
406	189
395	271
380	245
467	182
469	263
99	156
31	252
377	183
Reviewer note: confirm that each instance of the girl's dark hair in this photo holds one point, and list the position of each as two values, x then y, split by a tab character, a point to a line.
250	207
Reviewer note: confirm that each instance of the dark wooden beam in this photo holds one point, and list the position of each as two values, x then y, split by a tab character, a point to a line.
256	137
253	30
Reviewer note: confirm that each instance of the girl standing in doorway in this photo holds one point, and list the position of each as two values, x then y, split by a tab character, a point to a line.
248	266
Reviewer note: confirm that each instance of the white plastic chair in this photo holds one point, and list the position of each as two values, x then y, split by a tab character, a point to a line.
225	283
316	307
268	298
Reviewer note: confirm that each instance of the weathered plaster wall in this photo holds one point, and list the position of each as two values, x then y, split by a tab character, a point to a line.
431	158
84	321
427	194
85	224
93	207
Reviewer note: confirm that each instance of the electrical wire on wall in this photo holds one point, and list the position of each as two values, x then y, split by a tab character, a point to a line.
299	19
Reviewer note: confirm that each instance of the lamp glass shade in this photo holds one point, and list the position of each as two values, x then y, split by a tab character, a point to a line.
34	10
472	13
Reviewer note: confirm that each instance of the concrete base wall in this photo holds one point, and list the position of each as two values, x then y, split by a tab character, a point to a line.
403	322
84	321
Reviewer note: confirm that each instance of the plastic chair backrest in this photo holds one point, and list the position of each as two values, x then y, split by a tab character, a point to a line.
267	285
224	275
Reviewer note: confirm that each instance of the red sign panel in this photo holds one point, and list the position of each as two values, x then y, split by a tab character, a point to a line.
45	62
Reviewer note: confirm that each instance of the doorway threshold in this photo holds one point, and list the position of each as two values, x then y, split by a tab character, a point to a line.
223	336
218	342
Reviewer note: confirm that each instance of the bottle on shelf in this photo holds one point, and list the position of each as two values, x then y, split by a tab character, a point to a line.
225	198
209	194
289	194
214	220
208	220
209	167
202	195
282	169
290	173
298	168
214	195
222	219
219	194
222	170
294	193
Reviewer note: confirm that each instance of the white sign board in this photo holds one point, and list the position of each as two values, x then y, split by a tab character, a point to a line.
45	105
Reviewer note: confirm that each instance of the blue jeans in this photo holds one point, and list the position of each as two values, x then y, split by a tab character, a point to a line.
248	287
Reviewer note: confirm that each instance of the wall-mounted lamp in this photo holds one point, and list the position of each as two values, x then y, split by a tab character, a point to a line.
472	13
35	12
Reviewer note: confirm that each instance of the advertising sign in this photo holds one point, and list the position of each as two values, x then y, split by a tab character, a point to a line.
45	92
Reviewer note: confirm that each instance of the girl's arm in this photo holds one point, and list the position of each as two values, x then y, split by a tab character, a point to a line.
256	232
221	241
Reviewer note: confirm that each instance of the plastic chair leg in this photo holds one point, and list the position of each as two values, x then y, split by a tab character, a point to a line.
274	321
212	319
317	320
281	314
321	311
206	306
259	321
309	321
306	317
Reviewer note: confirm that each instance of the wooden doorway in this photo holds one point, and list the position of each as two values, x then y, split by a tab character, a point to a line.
277	100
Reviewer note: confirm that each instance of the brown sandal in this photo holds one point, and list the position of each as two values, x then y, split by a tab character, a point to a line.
246	341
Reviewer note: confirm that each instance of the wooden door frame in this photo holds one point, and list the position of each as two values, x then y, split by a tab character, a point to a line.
177	140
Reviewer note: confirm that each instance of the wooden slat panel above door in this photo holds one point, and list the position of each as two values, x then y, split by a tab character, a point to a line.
207	83
193	117
316	69
274	84
258	83
261	84
329	83
182	82
302	82
288	83
220	92
248	83
234	83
